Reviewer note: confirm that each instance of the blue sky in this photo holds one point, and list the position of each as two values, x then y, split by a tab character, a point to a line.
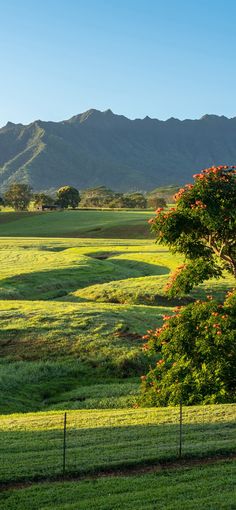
160	58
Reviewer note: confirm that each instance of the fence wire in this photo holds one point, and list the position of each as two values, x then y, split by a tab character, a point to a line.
50	444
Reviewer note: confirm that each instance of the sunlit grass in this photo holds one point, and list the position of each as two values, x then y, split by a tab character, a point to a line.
197	488
114	224
87	300
32	444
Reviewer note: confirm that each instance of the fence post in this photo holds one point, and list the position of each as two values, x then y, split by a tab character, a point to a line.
180	428
64	445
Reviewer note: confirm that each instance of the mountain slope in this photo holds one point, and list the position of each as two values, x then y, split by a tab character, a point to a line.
96	148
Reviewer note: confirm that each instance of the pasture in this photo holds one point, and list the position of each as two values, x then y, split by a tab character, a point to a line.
80	306
78	290
192	488
80	223
98	440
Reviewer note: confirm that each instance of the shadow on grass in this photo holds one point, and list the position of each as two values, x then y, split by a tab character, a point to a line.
55	283
39	453
128	231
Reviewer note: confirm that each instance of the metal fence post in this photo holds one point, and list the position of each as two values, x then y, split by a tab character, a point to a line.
180	428
64	445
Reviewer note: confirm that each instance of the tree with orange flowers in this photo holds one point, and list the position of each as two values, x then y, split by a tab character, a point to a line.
202	226
195	348
195	356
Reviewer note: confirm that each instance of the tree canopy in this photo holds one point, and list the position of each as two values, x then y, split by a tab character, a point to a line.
105	197
195	347
42	199
195	355
154	201
202	226
18	196
135	200
99	196
68	197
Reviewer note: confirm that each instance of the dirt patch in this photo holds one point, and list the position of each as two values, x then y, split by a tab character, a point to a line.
158	467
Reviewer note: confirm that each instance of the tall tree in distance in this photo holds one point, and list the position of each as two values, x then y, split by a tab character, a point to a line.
68	197
153	202
18	196
41	199
136	200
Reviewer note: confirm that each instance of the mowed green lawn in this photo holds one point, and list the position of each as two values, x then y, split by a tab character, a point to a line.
125	271
32	444
47	269
78	290
96	224
207	487
43	318
67	301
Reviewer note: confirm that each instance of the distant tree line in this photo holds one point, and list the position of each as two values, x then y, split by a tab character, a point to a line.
106	198
19	196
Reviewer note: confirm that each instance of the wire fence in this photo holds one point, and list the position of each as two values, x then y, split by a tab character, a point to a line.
53	444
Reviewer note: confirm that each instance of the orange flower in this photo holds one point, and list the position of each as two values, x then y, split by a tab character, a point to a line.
166	317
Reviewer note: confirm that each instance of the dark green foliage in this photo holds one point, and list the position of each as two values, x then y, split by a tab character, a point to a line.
105	197
196	356
99	197
119	201
153	201
42	199
196	348
18	196
135	200
68	197
202	226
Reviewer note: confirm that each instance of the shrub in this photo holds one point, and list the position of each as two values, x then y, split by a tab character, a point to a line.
196	355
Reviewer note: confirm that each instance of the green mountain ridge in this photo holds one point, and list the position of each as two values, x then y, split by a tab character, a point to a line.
95	148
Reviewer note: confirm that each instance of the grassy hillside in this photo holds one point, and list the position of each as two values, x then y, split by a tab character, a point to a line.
95	224
106	338
99	333
192	488
120	271
102	148
73	313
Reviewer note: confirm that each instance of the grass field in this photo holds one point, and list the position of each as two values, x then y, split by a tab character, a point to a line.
65	301
57	325
95	224
204	487
32	444
78	289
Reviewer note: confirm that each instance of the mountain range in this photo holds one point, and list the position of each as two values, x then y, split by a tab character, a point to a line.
101	148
